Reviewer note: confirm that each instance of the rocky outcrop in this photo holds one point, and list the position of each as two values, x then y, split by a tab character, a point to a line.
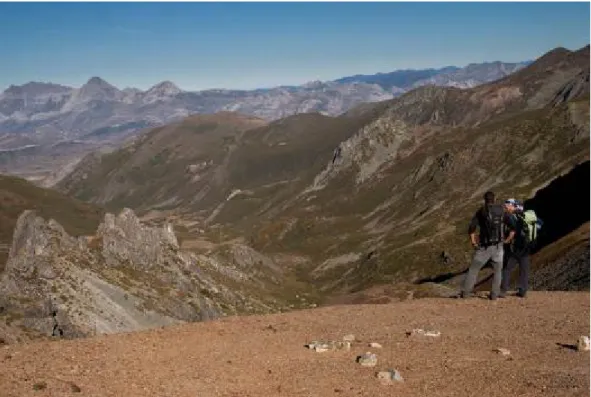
126	277
364	153
123	239
575	88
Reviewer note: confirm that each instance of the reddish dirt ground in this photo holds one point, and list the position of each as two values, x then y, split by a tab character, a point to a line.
265	355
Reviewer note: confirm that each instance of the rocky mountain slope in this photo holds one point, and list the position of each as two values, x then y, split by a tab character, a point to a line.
375	195
127	276
17	195
265	355
474	74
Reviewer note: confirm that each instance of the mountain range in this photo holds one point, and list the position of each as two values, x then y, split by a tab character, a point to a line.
377	193
46	113
225	213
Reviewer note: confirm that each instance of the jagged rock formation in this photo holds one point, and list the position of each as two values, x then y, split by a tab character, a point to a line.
126	277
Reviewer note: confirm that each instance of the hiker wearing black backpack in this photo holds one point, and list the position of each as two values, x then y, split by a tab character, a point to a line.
491	220
526	225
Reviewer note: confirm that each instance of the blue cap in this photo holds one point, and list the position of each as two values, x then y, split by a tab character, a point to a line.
513	201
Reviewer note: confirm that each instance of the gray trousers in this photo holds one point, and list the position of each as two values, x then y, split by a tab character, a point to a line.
512	261
481	256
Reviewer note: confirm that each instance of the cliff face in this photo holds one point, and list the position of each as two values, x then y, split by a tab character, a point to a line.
126	277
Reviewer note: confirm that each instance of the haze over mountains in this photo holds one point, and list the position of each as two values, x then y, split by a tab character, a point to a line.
42	113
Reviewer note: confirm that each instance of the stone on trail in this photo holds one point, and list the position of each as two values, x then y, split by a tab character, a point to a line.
375	345
583	344
368	360
390	376
324	346
422	332
349	338
503	351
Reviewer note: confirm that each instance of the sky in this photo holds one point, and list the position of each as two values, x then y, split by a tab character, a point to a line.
255	45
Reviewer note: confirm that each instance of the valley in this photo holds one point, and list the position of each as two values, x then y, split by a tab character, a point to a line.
226	213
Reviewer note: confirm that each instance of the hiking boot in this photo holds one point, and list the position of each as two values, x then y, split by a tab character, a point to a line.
493	296
521	293
503	294
464	295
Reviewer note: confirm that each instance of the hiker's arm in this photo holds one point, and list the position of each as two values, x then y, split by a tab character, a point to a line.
473	239
472	230
510	237
511	226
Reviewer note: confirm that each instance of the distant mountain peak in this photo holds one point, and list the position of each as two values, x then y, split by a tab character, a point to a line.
96	80
99	82
313	84
95	89
36	87
165	88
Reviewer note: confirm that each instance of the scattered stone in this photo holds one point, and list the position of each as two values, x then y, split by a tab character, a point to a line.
503	351
390	376
375	345
349	338
324	346
422	332
40	386
446	258
368	360
583	344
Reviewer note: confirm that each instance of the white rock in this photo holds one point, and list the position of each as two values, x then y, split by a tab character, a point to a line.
583	344
503	351
349	338
390	376
375	345
324	346
422	332
368	360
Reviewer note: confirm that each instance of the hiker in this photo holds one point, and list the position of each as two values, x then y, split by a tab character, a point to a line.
526	226
491	220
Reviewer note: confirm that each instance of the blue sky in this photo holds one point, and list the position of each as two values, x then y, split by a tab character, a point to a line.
248	45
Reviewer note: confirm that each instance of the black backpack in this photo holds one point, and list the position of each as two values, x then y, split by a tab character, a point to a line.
493	216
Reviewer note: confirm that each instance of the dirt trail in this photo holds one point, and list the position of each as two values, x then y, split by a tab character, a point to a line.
265	355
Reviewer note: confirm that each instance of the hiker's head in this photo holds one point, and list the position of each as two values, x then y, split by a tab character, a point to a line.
511	205
489	198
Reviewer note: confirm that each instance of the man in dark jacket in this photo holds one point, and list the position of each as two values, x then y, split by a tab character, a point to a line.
518	251
491	221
